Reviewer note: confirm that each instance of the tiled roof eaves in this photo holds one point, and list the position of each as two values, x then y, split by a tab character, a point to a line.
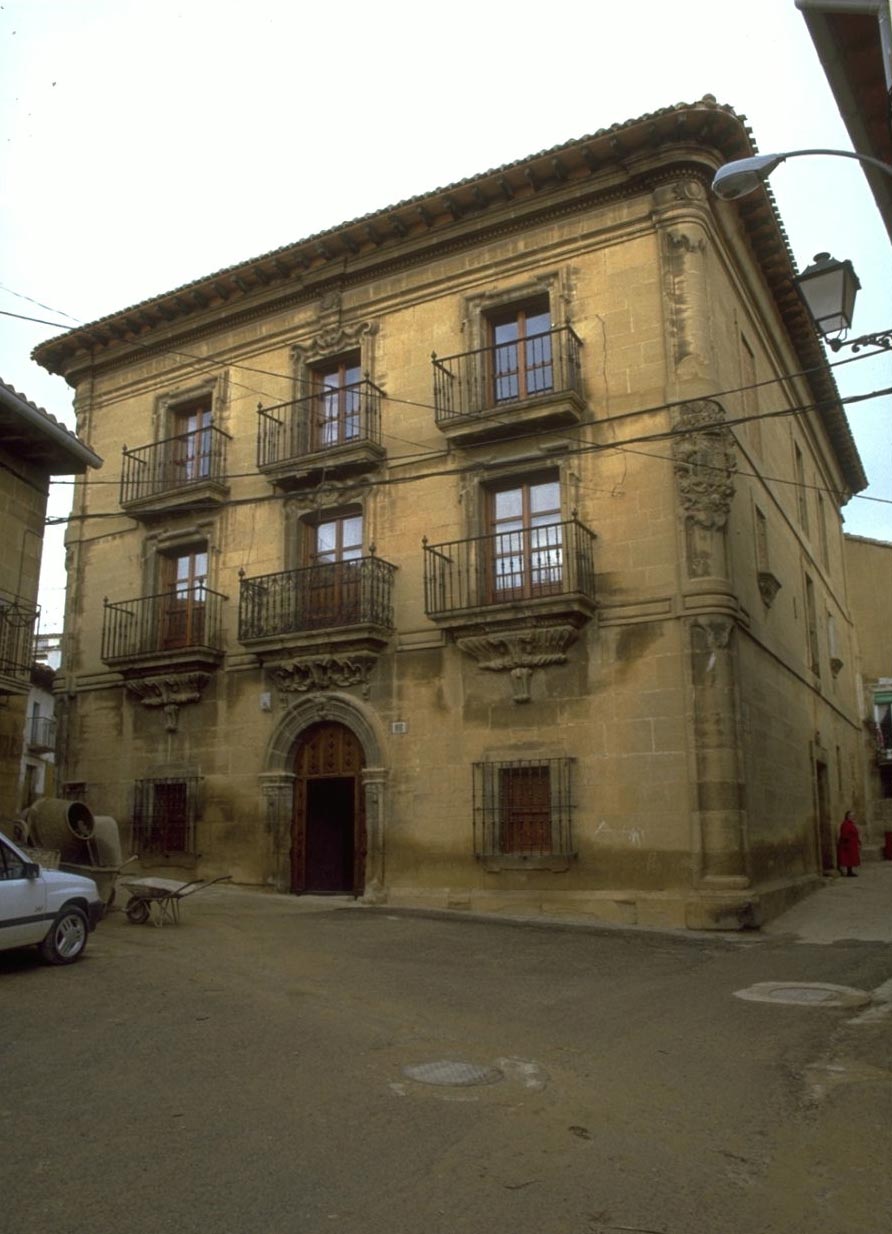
713	127
41	419
677	110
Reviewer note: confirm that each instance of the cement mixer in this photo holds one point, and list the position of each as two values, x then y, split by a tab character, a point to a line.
65	826
85	844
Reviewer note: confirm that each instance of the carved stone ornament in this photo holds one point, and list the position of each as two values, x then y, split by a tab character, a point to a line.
679	191
332	339
519	652
769	586
330	302
717	632
704	463
323	673
170	693
328	493
836	665
678	240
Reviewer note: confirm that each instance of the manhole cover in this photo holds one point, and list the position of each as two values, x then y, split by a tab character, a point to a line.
790	994
804	993
446	1072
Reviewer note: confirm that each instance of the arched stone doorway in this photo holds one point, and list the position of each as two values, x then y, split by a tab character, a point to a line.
328	833
278	783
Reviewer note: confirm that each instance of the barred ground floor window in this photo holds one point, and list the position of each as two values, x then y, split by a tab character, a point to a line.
523	808
164	815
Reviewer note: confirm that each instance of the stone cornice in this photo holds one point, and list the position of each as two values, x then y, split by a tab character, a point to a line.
704	133
687	141
94	349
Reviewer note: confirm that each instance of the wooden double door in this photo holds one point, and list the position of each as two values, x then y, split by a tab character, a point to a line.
328	838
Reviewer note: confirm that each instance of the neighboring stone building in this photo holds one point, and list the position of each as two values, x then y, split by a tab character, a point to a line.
853	40
482	552
33	447
869	569
38	771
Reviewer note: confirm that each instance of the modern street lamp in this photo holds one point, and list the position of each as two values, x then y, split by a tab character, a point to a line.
828	287
745	175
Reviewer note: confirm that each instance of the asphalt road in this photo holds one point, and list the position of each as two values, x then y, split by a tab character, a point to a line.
245	1071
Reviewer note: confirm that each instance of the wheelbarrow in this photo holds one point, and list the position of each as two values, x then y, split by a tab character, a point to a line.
158	899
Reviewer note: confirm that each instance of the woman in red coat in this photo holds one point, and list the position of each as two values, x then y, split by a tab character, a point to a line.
848	846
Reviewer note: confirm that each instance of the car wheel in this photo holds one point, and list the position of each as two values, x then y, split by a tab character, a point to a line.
137	911
67	937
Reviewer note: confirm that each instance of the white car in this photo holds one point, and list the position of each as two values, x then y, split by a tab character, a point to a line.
50	909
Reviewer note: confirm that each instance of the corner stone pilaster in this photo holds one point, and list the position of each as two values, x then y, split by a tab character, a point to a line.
682	219
724	863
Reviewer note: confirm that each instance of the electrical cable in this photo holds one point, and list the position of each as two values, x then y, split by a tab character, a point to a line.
586	448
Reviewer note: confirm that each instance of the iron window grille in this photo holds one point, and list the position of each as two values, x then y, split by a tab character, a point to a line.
523	808
165	811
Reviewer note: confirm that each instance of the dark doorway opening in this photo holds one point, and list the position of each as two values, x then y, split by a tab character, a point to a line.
328	840
825	826
330	836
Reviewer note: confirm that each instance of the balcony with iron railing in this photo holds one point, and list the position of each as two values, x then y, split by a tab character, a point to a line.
343	602
18	629
514	576
335	430
180	628
488	393
181	472
42	734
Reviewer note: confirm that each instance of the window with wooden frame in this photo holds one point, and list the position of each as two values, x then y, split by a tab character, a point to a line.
337	401
526	539
191	440
823	540
165	810
520	351
184	578
801	494
811	621
761	530
334	550
750	395
523	808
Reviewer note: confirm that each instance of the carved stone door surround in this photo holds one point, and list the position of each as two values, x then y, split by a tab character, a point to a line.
277	783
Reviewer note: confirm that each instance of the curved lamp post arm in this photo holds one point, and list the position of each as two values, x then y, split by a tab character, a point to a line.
744	175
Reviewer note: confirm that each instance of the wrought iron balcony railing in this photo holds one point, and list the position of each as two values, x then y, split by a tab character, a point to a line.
556	560
321	597
329	420
187	461
42	733
18	628
521	373
181	620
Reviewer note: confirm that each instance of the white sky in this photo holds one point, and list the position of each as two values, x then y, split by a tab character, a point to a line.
145	144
